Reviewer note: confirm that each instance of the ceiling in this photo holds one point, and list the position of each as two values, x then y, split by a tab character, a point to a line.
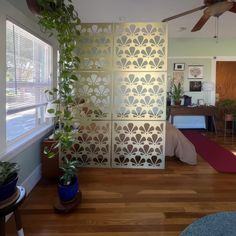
155	11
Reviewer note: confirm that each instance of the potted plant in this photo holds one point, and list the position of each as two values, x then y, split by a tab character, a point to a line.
59	18
228	107
177	93
68	185
8	179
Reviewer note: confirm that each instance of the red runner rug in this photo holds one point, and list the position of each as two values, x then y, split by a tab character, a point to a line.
218	157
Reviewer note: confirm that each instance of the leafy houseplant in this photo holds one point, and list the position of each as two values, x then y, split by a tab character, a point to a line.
69	168
8	179
229	108
177	93
59	18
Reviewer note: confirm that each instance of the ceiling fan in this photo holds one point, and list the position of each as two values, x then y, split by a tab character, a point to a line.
212	8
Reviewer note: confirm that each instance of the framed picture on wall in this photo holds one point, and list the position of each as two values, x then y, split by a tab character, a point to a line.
195	72
195	86
179	66
178	77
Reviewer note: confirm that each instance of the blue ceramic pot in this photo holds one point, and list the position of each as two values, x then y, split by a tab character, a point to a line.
68	192
8	189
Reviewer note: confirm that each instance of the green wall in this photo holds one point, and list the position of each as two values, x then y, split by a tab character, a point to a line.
199	52
190	47
207	76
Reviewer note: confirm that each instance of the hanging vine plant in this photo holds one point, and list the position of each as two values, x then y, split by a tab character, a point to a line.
60	19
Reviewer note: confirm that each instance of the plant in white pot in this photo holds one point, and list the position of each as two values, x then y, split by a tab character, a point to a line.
59	18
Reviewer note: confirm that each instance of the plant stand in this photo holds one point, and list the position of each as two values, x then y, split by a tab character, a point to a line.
65	207
12	206
50	166
228	124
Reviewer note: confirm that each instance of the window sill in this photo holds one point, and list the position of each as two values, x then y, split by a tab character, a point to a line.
19	146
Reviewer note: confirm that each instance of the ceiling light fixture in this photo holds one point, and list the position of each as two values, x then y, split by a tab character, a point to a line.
216	37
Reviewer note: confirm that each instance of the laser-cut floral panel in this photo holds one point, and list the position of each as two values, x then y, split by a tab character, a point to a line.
123	77
96	89
92	147
140	95
95	46
140	47
138	144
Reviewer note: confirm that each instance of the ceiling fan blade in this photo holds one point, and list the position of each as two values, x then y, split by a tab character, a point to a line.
233	9
184	13
200	23
210	2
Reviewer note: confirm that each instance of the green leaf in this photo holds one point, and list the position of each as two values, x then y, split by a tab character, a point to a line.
51	110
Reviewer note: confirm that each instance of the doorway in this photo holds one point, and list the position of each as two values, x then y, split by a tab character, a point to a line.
225	80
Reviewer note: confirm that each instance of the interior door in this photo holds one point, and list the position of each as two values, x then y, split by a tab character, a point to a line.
225	80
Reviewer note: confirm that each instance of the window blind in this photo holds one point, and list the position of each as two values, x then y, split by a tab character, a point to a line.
28	73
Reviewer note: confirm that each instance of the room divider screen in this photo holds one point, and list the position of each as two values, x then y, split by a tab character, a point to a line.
122	77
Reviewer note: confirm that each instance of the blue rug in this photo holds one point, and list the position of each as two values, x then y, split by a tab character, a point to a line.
219	224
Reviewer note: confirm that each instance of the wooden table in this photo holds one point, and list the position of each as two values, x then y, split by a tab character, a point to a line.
207	111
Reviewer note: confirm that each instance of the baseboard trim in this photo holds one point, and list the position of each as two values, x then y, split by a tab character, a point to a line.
30	182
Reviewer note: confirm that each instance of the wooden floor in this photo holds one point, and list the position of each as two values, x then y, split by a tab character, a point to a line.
127	202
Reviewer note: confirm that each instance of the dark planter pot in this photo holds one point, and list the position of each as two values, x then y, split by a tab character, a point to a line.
36	9
68	192
33	6
168	102
8	189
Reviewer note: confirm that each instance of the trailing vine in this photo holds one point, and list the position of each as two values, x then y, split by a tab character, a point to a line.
61	20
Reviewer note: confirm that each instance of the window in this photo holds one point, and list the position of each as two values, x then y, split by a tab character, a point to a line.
28	75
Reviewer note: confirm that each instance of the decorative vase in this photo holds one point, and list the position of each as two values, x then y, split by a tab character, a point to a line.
68	193
8	189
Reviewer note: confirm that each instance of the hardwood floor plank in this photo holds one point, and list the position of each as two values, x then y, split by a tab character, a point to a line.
128	202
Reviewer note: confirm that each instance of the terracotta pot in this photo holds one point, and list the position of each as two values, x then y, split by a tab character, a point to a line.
229	117
177	103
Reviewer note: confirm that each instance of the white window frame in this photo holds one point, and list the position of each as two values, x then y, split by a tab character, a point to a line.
41	107
8	12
